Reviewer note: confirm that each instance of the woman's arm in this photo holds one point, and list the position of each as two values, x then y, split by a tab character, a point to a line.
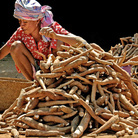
70	39
4	51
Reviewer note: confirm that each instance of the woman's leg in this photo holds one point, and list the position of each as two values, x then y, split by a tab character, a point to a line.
23	59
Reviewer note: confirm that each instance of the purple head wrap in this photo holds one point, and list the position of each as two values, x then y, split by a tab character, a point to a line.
32	10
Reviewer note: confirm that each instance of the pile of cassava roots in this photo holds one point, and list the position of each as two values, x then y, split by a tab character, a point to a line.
83	90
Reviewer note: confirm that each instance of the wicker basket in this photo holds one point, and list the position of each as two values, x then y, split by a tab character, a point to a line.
10	89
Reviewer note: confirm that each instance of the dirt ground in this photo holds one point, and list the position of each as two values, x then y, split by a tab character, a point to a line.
102	136
7	69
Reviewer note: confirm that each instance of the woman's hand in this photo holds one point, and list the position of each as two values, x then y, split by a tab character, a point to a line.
70	39
48	32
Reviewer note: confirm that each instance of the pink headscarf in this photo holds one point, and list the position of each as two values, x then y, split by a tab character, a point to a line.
32	10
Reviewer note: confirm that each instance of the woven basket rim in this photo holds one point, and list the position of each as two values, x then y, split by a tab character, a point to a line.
15	79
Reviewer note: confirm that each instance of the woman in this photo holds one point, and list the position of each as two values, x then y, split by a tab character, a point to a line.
37	32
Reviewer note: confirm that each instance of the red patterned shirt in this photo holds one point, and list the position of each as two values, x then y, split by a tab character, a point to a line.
42	46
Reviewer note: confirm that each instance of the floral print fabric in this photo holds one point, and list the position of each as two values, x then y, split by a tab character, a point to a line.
42	46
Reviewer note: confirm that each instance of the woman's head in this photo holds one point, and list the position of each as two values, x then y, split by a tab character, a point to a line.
30	12
29	26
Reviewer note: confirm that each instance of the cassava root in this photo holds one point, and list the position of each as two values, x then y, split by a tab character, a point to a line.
82	88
